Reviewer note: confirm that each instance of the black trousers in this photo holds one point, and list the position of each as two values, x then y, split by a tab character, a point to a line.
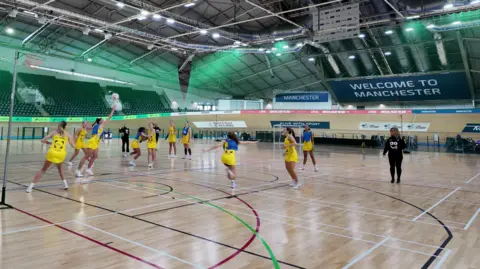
125	142
395	164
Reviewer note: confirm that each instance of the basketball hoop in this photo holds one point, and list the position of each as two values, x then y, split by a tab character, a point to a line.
32	60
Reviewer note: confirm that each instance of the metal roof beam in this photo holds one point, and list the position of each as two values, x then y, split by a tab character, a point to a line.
463	51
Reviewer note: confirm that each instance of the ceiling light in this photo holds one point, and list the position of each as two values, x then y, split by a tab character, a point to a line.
98	30
261	49
237	43
279	54
150	47
409	29
475	2
351	57
141	18
456	22
311	59
244	44
189	5
299	44
361	35
388	53
274	49
174	49
144	13
413	17
86	31
29	12
268	51
430	26
285	46
120	5
13	13
108	36
216	35
42	19
388	32
9	31
279	39
156	16
169	20
203	32
89	60
448	6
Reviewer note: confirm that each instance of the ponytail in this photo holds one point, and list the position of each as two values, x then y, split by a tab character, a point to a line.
97	121
233	137
61	127
291	132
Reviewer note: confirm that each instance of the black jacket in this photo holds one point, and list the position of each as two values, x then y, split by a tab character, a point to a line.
394	146
124	132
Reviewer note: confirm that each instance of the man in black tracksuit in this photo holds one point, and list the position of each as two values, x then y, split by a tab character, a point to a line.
395	146
124	134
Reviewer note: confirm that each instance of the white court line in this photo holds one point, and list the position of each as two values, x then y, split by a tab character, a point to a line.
473	178
363	255
318	230
437	203
471	220
140	245
442	260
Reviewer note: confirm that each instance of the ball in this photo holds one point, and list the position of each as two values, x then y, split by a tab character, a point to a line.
115	96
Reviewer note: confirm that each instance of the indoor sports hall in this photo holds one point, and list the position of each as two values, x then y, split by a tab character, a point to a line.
247	134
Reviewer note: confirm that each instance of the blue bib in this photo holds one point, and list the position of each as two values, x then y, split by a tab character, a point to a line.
307	136
230	145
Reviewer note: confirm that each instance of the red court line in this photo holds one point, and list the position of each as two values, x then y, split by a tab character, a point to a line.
92	240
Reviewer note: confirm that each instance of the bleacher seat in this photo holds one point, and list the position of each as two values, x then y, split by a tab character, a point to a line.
20	108
139	102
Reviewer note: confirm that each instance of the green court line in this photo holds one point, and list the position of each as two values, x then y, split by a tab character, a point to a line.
270	252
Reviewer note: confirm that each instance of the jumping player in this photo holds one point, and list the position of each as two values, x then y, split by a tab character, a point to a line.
139	138
230	146
186	135
172	140
91	153
79	141
291	156
152	144
308	148
56	154
395	146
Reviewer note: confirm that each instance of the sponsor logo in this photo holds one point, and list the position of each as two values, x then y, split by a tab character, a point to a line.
220	124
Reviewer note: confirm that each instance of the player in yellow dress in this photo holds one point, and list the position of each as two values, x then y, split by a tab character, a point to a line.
308	145
80	141
291	156
56	154
186	135
172	140
151	144
230	147
91	150
139	138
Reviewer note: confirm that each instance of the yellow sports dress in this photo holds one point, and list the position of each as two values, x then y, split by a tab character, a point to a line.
228	157
172	136
152	141
94	141
291	155
80	143
186	135
58	149
136	141
307	141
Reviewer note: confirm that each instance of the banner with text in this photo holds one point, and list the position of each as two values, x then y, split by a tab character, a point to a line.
311	97
220	124
472	128
385	126
295	124
412	88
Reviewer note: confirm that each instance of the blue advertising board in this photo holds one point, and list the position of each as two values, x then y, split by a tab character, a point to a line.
310	97
296	124
472	128
447	86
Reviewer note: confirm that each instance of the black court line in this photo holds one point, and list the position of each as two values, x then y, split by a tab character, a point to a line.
440	248
210	200
163	226
151	196
109	243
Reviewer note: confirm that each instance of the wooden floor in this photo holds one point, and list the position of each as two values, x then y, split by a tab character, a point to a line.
182	214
